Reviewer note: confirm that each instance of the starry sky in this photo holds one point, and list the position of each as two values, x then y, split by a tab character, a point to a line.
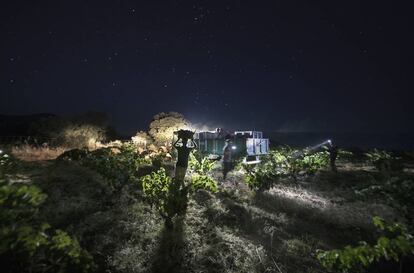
269	65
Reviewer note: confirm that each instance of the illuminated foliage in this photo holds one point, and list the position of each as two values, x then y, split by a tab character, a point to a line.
394	244
141	139
314	162
273	167
168	196
283	163
155	187
200	164
81	135
200	168
163	126
203	182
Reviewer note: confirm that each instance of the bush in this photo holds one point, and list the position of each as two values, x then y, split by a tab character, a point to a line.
395	191
141	139
155	187
203	182
167	195
394	244
170	196
160	156
163	126
80	135
75	132
120	165
29	245
200	165
314	162
273	167
384	161
346	155
74	154
200	168
283	163
261	179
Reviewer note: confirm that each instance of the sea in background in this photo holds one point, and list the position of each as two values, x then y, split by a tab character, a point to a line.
387	141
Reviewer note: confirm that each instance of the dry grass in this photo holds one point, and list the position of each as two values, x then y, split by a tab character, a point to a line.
32	153
27	152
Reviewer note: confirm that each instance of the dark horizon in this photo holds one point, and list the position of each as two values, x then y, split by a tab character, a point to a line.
205	126
277	65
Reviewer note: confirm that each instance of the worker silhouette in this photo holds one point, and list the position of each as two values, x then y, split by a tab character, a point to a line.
333	154
227	158
184	145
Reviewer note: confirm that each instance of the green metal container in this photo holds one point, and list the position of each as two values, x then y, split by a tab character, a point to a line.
248	144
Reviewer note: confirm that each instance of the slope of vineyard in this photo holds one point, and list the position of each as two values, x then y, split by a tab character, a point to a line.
233	230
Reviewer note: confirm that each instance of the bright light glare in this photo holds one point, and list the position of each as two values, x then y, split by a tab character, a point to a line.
233	147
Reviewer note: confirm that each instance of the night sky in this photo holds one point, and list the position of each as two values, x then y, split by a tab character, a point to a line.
269	65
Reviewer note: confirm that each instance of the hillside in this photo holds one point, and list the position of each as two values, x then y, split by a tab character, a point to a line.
233	230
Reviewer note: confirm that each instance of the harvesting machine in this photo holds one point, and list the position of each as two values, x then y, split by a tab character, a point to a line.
246	145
